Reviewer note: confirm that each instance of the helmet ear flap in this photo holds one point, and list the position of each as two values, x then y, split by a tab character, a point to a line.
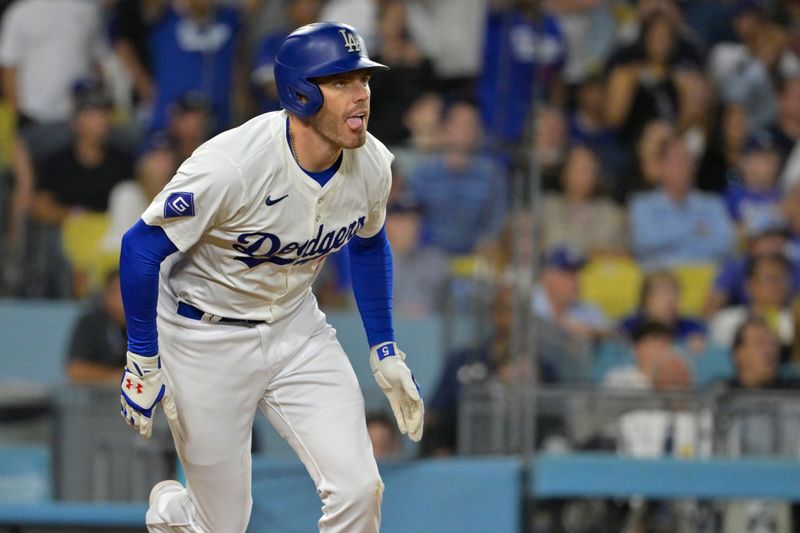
298	96
312	94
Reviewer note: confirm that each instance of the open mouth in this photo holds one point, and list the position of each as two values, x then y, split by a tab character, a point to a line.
356	122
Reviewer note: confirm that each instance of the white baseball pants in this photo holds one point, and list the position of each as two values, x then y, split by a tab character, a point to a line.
297	374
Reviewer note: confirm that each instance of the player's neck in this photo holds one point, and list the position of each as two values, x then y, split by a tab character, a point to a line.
312	151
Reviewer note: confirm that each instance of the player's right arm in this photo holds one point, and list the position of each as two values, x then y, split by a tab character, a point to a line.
143	250
206	189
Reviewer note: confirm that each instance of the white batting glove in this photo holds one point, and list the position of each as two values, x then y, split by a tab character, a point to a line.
398	383
141	390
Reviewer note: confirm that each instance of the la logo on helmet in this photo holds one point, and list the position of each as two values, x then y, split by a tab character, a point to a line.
350	41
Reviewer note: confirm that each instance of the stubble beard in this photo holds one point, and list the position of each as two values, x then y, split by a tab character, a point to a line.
329	128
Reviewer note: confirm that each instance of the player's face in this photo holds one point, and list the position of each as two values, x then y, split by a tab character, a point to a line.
343	118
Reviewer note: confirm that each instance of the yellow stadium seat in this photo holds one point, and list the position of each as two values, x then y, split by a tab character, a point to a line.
695	281
465	266
612	284
82	237
7	129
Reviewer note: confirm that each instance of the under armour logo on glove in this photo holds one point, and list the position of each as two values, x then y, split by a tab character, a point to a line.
142	389
137	389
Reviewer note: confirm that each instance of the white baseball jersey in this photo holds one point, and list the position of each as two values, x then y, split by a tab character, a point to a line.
254	229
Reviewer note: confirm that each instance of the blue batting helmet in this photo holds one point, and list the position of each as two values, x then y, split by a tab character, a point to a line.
315	50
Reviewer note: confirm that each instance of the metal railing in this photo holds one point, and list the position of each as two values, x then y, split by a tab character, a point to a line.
717	421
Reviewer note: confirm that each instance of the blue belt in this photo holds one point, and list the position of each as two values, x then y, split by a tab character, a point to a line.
190	311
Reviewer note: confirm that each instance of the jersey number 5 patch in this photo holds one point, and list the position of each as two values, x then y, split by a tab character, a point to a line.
179	204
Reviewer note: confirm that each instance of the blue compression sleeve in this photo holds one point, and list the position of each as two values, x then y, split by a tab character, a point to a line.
371	266
143	249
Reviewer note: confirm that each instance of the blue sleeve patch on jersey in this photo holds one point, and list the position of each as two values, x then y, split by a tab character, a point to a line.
179	204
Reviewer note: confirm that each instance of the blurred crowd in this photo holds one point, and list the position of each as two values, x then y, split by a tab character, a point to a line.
666	136
660	138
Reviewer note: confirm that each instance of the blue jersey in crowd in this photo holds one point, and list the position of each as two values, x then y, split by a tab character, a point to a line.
188	56
521	58
752	207
264	69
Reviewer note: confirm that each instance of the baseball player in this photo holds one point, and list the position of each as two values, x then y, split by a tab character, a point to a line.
229	324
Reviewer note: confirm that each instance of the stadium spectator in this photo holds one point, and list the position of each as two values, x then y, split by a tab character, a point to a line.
687	53
423	121
723	153
589	29
791	211
194	47
99	339
755	356
645	88
794	355
557	300
189	125
410	77
129	198
516	242
446	32
657	366
45	48
580	217
587	126
743	72
80	176
710	20
649	157
768	292
131	21
786	131
551	143
753	430
763	238
676	224
75	177
755	353
491	360
420	272
300	13
698	113
658	303
383	434
752	194
462	193
524	52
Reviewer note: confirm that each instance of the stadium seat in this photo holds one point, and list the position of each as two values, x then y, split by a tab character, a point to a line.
695	281
82	236
7	127
612	284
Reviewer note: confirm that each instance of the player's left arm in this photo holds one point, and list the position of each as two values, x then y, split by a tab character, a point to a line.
371	267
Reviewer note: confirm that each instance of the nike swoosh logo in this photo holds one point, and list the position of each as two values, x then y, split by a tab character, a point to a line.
270	201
